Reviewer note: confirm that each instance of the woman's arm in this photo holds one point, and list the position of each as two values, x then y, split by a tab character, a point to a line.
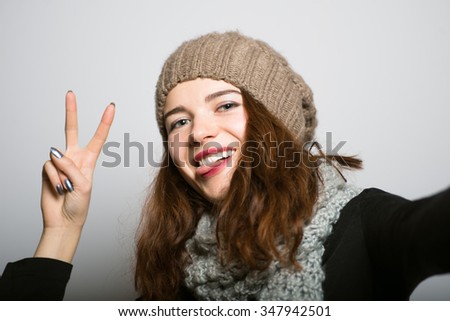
35	279
66	191
408	240
67	184
383	245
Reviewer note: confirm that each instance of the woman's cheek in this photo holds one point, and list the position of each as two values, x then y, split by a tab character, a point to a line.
179	150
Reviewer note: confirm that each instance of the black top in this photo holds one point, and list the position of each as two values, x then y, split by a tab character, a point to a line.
381	248
35	279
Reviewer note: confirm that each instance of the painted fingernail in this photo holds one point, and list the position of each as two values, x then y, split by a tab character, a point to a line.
69	91
113	104
56	153
68	184
59	189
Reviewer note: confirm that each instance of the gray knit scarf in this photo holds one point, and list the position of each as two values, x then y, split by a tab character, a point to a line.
208	279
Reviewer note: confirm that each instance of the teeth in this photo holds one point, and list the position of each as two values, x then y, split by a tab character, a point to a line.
212	158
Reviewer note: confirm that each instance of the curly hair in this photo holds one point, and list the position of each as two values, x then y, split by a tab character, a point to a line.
260	219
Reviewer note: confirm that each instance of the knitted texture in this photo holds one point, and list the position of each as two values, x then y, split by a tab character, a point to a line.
209	280
248	64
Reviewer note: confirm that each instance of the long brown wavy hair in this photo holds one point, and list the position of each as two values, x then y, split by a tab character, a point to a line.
271	197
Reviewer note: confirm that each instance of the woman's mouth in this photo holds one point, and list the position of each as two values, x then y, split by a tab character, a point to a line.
210	163
213	159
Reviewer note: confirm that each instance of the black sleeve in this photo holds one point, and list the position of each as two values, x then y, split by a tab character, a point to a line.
35	279
407	241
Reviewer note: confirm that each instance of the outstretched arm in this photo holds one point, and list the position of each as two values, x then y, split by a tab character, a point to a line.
67	184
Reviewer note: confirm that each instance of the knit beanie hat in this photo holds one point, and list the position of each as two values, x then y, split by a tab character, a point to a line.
248	64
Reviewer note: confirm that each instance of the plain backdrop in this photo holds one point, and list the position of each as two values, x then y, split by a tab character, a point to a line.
380	72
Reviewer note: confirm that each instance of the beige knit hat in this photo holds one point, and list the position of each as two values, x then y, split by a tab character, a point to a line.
248	64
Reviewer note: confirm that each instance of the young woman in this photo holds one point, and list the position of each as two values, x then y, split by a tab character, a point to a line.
246	206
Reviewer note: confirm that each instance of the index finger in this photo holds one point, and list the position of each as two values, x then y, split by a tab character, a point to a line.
99	138
71	120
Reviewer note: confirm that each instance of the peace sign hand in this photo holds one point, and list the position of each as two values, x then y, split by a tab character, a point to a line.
67	184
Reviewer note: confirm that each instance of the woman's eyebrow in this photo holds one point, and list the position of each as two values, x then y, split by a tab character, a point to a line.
178	109
181	108
221	93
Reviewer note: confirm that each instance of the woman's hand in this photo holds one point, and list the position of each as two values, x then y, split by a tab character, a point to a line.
67	184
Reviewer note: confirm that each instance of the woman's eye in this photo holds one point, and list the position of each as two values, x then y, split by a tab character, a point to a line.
179	123
227	106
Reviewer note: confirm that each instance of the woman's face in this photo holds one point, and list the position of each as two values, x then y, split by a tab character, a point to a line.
205	121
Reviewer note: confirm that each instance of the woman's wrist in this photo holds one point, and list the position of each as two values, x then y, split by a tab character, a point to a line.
58	243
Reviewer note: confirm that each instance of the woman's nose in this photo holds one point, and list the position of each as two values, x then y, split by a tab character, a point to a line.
203	129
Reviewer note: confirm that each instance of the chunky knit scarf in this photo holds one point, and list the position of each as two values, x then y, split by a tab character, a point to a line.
208	279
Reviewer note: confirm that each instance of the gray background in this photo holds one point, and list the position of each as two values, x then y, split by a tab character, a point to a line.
380	72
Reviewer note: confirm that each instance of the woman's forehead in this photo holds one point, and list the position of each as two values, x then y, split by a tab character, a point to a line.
200	88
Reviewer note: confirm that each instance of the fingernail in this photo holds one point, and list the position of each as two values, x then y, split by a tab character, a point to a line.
56	153
113	104
68	184
59	189
69	91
